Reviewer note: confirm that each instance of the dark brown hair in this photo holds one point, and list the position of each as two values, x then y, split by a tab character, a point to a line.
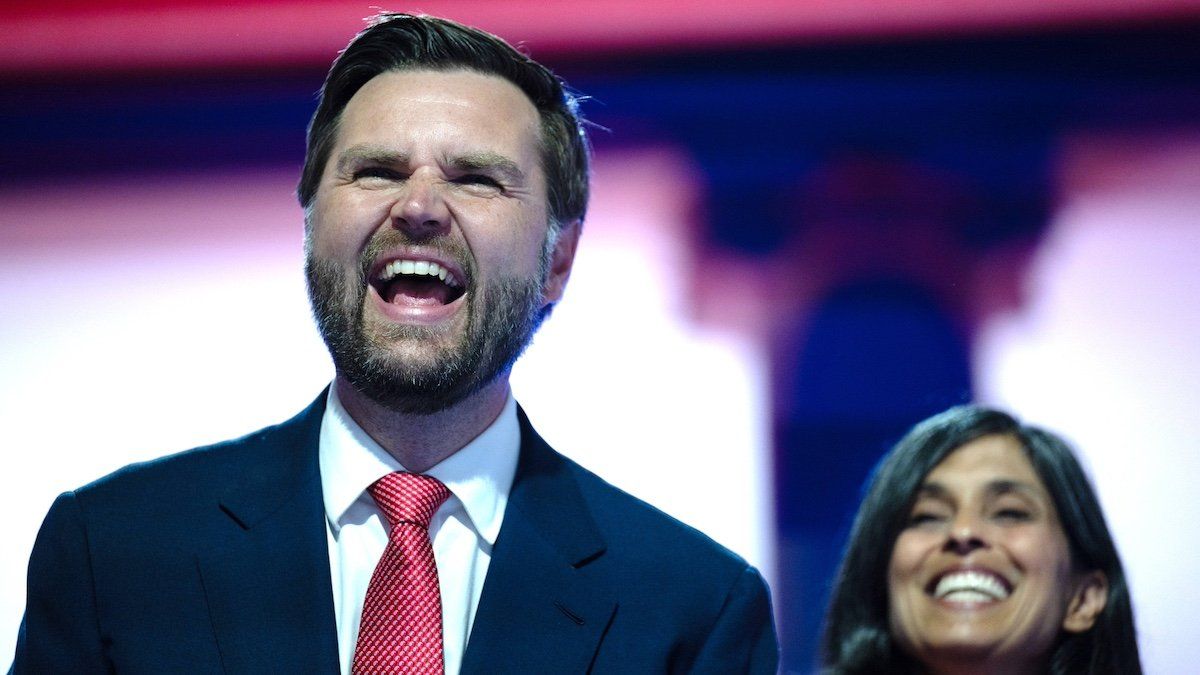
857	638
406	42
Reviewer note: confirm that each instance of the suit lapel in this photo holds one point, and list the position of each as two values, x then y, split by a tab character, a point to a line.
540	610
268	583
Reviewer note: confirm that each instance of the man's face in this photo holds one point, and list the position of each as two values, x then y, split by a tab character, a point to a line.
428	259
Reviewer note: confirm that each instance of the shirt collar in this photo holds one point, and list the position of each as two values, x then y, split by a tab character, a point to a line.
480	475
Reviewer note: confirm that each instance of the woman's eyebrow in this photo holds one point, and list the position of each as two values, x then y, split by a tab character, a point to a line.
933	490
1009	486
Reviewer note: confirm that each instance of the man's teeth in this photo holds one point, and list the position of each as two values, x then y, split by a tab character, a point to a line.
970	587
418	268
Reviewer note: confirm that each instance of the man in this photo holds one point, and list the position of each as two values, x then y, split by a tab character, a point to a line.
410	519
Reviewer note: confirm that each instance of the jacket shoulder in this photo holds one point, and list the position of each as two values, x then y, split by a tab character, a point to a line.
686	603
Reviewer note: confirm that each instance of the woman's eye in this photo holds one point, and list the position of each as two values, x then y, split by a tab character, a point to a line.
923	518
1013	515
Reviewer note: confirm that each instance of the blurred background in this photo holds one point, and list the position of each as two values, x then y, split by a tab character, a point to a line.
814	224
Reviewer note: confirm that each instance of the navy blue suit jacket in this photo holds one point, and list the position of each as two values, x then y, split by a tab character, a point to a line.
216	561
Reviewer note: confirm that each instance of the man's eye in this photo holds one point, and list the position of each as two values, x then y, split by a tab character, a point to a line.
376	172
477	179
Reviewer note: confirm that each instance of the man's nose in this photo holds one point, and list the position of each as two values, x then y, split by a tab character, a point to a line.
420	210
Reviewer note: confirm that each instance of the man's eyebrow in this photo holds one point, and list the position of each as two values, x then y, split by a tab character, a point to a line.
488	161
369	154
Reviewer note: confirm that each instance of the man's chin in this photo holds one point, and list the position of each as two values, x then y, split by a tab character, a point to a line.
405	339
412	379
417	359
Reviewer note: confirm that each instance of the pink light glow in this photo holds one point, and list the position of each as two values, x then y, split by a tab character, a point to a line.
136	34
1105	350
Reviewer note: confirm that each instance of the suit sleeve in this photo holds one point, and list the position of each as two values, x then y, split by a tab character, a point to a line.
60	632
742	639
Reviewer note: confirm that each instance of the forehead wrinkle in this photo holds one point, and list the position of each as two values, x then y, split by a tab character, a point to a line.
472	161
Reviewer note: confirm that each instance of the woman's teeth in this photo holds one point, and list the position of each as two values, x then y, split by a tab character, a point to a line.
970	587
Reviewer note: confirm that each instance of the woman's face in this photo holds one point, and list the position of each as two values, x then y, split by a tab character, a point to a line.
982	574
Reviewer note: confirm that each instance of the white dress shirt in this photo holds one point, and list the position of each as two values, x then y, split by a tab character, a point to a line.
463	530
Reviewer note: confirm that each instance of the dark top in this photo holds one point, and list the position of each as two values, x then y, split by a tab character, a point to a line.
216	560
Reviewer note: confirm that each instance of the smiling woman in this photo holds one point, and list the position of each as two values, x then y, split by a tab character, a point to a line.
980	547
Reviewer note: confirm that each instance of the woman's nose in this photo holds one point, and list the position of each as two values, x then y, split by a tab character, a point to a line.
965	535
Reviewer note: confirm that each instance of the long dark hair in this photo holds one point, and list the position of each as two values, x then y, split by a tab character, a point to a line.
857	638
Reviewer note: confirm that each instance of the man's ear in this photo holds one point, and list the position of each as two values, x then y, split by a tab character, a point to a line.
561	260
1087	602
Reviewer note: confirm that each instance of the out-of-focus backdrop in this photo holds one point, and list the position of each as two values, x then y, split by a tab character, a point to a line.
814	224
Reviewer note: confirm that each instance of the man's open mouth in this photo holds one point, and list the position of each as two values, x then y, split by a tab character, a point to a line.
417	283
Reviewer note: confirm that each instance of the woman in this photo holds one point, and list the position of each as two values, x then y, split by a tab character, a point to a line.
980	547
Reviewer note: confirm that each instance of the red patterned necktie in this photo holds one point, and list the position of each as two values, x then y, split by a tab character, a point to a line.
401	628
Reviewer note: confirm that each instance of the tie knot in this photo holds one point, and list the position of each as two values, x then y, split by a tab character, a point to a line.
408	498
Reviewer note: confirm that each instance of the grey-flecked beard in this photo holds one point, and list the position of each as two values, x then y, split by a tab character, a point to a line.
501	320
